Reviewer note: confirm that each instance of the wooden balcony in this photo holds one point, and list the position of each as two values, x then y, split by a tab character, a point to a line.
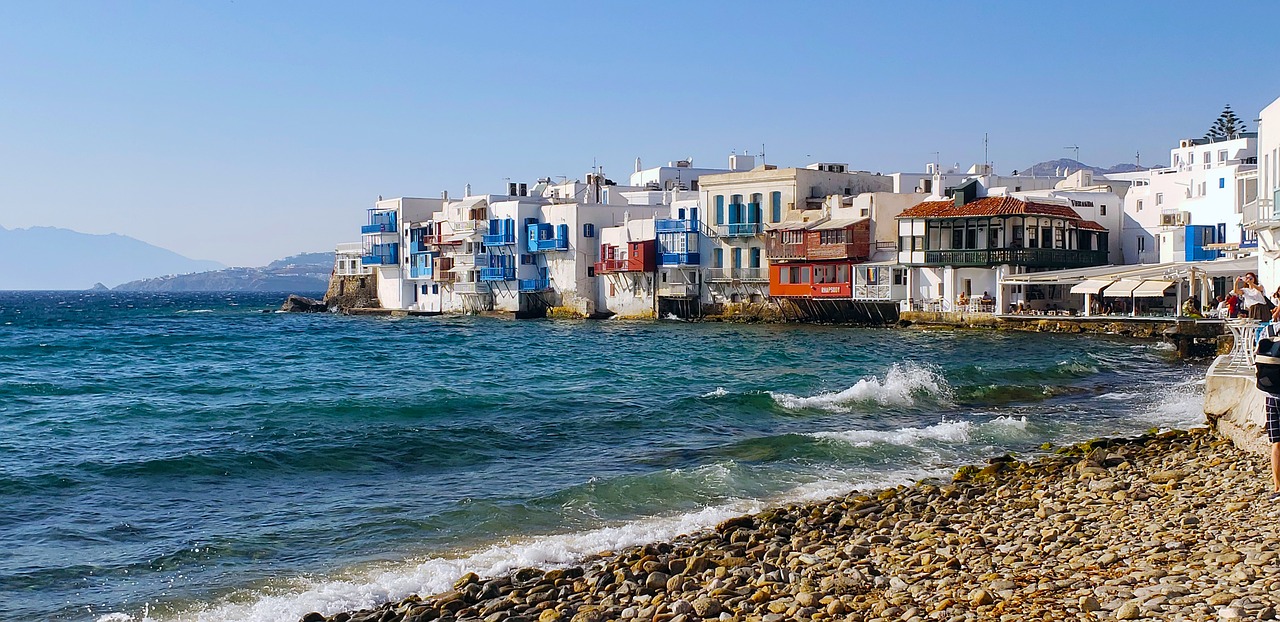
1030	257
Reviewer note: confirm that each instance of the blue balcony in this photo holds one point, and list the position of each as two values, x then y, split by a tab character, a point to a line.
381	255
675	225
530	286
544	237
505	273
502	232
421	265
499	239
740	229
380	222
679	259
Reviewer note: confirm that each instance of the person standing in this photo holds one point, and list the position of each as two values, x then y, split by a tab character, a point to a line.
1253	298
1272	331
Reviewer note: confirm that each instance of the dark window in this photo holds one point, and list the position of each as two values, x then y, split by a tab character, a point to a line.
588	230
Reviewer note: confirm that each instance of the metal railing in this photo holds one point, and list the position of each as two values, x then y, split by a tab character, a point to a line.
1036	257
675	225
498	274
679	259
470	288
529	286
549	244
739	229
499	239
737	274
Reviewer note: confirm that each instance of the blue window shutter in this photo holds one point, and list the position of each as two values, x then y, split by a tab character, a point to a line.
775	199
1222	182
562	232
720	209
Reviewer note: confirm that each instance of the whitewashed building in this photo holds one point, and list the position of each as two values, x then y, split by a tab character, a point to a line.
740	205
1192	210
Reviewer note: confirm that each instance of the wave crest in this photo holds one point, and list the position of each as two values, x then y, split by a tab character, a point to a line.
946	431
903	385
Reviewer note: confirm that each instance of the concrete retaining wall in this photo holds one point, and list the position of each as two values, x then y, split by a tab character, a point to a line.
1236	408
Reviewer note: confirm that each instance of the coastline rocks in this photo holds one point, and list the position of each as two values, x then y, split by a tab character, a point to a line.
1172	526
302	304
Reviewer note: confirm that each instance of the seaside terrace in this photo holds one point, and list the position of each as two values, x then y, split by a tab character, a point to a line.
993	231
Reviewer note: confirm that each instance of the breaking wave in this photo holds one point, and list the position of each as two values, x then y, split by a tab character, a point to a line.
903	385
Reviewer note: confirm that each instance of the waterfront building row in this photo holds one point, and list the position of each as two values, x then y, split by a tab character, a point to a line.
821	240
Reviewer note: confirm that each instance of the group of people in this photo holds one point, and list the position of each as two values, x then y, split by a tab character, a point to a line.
963	299
1247	299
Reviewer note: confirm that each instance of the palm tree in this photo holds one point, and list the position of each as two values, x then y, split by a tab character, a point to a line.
1227	126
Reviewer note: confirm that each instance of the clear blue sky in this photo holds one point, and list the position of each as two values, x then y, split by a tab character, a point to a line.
245	131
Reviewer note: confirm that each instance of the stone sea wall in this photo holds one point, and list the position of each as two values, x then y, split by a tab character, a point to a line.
1236	408
1175	526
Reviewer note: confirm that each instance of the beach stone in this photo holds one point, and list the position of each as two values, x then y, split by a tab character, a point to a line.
706	607
1231	613
1128	611
465	580
1089	604
656	581
681	607
980	598
1165	477
550	615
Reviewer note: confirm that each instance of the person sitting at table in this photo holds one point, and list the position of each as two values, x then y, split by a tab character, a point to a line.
1191	308
988	298
962	300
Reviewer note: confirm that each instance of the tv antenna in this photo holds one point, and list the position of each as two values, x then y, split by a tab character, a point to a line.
1076	149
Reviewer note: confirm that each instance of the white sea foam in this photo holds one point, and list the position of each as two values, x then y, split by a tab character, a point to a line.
375	587
719	392
1181	406
194	311
902	385
1009	423
946	431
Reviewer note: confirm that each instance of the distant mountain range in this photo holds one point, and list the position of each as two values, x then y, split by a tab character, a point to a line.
1050	168
306	273
42	258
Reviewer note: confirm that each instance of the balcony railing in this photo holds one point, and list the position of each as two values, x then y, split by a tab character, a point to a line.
740	229
497	274
1032	257
679	259
678	290
382	227
470	288
382	255
470	260
675	225
619	265
421	244
738	274
468	227
550	244
499	239
529	286
420	272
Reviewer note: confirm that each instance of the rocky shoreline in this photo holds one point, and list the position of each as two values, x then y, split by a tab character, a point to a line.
1172	526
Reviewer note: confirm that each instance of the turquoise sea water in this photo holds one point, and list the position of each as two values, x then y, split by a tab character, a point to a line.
188	457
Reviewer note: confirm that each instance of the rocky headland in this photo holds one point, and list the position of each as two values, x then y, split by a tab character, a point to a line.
1172	526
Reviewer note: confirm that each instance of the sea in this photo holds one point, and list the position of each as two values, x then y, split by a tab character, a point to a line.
199	457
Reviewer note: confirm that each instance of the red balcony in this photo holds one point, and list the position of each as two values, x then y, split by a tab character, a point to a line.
641	257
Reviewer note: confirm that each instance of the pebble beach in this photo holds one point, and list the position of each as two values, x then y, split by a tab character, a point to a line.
1171	526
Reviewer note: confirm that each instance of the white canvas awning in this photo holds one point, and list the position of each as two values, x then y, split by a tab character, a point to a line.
1091	286
1151	289
1123	288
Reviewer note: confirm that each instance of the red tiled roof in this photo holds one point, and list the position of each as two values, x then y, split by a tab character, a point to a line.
987	206
1091	225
